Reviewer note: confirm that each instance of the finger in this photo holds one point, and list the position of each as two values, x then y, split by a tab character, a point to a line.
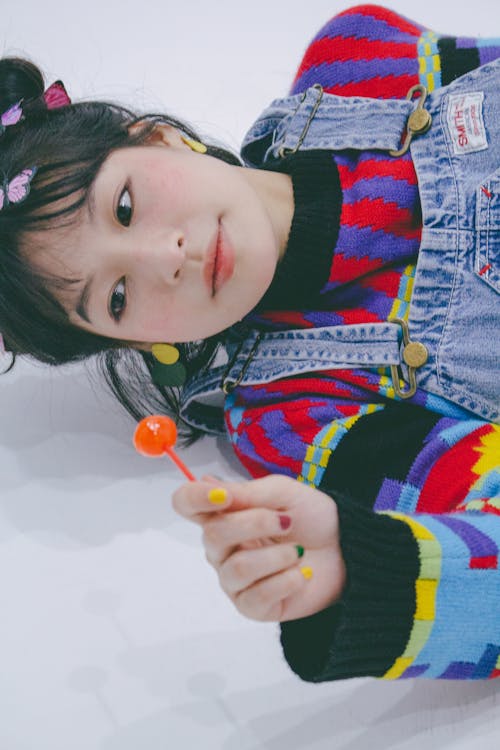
313	511
274	491
222	533
265	600
194	500
246	567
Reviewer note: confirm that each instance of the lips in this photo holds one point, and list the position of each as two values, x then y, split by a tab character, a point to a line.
219	264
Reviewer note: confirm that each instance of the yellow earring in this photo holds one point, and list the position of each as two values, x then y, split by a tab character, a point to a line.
165	353
200	148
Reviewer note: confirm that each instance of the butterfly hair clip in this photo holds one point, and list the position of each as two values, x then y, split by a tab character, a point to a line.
11	117
56	96
17	189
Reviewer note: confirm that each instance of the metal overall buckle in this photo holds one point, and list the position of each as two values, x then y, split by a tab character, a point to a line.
228	386
419	120
415	355
282	152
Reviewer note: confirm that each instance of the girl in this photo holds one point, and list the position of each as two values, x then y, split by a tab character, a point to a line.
330	304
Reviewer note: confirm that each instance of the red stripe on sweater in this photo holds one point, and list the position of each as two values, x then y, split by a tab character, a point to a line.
379	88
365	169
262	445
356	378
314	386
348	410
333	49
451	477
385	281
346	269
357	385
295	319
485	508
356	47
255	469
486	563
358	315
378	215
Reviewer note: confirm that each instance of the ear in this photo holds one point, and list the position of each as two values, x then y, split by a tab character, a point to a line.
141	346
161	135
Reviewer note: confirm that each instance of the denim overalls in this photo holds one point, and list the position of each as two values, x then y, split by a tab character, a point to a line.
451	346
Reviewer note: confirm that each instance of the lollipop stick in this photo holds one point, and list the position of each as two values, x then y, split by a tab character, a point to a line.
182	466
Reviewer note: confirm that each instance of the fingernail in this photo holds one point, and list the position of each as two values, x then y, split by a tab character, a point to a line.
300	550
307	572
285	522
217	495
212	478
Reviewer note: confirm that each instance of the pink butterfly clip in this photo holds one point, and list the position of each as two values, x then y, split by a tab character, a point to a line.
11	116
17	189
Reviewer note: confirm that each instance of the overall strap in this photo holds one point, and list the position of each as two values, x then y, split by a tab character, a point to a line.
317	120
264	357
255	357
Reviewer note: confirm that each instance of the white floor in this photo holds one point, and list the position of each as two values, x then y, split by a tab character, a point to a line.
113	632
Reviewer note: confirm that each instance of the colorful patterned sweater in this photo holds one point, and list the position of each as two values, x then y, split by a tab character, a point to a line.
417	483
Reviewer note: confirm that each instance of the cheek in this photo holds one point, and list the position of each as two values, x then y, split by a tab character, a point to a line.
171	183
155	318
167	191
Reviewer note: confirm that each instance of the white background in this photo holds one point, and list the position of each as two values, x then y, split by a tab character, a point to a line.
113	632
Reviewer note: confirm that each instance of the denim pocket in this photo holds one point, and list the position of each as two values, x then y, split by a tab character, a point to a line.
487	260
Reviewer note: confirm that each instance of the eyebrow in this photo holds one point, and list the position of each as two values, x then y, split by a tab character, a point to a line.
81	308
83	299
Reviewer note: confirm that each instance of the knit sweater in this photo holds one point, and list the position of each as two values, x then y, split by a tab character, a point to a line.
417	482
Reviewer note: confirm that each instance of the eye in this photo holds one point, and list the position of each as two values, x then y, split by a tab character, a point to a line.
118	301
124	207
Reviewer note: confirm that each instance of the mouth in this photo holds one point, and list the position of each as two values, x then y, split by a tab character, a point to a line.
219	265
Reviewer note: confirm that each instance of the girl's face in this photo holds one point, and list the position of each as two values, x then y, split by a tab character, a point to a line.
174	245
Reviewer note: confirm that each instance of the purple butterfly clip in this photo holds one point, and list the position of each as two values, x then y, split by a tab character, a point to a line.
17	189
11	116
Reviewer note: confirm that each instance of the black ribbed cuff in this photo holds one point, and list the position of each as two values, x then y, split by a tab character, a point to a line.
364	633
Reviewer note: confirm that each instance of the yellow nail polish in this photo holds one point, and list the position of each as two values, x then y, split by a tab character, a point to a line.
307	572
217	495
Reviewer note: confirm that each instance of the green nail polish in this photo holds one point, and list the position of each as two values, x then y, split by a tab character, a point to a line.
300	550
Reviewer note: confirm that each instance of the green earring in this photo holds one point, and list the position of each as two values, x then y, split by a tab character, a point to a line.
167	370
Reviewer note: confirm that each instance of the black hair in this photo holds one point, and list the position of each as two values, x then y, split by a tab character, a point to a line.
68	146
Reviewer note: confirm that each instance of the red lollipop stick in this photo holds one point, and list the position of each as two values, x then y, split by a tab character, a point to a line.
156	435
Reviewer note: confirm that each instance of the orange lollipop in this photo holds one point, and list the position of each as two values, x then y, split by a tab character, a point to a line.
156	435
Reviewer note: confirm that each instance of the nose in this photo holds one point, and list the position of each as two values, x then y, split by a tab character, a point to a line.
161	256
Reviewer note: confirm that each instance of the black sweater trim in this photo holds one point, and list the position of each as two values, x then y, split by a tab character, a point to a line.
306	265
368	629
405	429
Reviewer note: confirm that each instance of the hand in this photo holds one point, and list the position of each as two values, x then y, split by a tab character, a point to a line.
256	559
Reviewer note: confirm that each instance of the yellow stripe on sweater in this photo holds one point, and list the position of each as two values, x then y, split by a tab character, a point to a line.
426	587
